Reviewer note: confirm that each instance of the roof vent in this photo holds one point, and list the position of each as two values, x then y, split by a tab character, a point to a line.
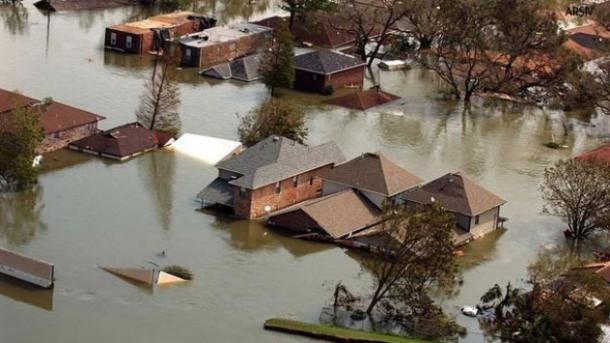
276	138
432	199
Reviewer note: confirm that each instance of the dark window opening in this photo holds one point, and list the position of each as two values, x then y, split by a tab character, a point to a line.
278	188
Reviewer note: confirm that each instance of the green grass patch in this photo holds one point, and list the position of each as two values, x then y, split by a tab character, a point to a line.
333	333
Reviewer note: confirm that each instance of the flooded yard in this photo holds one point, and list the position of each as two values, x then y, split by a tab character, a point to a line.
88	212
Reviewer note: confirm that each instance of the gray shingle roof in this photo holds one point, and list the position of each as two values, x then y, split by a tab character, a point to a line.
242	69
278	158
218	191
325	62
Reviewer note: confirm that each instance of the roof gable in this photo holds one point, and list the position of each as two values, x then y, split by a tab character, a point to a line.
363	100
277	158
373	172
457	194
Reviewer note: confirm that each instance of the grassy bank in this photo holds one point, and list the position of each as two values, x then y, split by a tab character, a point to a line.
333	333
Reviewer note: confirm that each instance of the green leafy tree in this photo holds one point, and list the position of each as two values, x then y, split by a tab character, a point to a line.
160	100
273	117
20	137
579	192
277	64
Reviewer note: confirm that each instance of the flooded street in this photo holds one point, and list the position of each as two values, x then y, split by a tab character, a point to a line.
88	212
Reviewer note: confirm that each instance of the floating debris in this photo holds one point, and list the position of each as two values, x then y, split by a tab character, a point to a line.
27	269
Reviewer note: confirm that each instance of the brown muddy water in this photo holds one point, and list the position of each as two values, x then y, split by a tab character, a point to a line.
89	212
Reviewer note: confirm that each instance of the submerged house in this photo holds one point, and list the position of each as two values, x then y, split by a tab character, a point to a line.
353	196
336	216
363	100
588	41
601	153
151	34
242	69
62	124
269	176
373	175
476	210
317	70
221	44
123	142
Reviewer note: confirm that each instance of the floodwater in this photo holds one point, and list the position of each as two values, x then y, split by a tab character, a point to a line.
89	212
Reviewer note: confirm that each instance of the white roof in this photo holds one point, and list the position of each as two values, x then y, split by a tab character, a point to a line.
205	148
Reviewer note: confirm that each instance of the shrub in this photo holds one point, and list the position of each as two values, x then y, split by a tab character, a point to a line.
327	90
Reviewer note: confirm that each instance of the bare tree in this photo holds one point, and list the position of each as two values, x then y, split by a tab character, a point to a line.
369	22
579	192
160	100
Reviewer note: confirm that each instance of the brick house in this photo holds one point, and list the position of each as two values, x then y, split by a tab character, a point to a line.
319	69
62	124
476	210
271	175
223	43
150	34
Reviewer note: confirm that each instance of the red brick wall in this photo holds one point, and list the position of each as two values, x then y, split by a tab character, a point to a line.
61	139
222	52
252	204
120	41
315	82
349	77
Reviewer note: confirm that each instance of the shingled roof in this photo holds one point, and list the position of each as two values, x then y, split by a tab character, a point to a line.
600	153
326	62
456	193
59	117
363	100
338	214
121	142
278	158
242	69
373	172
9	100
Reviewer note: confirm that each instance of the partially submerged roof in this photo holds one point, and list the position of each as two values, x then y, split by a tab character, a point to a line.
242	69
601	153
589	41
338	214
221	34
162	21
218	192
9	100
121	141
208	149
456	193
75	5
363	100
373	172
58	117
278	158
326	62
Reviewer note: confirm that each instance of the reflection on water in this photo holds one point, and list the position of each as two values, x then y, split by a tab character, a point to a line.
26	293
157	171
14	17
20	219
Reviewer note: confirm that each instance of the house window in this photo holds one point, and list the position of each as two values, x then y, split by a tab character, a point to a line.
278	188
128	42
187	54
476	220
242	192
113	38
311	181
295	181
